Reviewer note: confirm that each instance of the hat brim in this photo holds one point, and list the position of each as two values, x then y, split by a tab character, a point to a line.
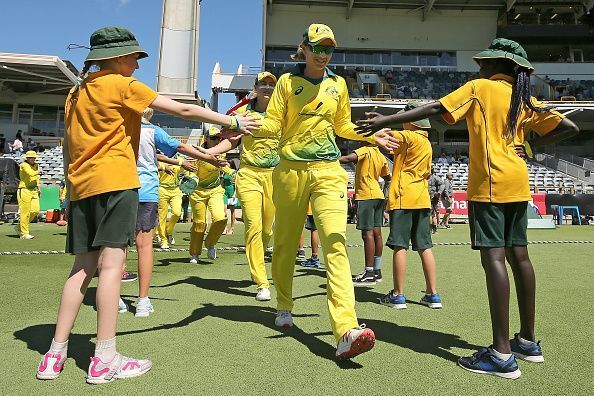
498	54
322	39
266	75
423	124
109	53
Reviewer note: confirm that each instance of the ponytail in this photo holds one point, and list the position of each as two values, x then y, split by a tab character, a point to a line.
299	55
80	80
520	97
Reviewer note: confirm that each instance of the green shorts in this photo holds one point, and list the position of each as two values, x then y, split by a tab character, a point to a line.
498	224
370	214
410	226
107	219
310	223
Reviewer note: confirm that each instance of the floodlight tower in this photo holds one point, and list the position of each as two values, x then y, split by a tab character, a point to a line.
177	70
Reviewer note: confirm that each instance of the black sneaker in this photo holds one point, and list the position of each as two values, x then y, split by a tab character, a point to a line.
129	277
301	255
434	229
378	275
365	279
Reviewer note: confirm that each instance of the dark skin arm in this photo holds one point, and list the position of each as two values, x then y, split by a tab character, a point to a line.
376	121
565	130
349	158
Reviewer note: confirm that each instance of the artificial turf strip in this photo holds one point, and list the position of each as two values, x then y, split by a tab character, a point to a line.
209	335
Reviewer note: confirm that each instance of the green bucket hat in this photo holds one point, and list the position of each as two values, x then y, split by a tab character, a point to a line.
505	49
113	41
424	123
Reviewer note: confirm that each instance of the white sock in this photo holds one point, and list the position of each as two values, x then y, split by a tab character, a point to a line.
524	341
106	350
143	300
502	356
59	347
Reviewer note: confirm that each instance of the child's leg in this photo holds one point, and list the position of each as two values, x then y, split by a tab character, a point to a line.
144	245
231	219
176	211
399	269
108	291
525	281
315	243
216	207
83	270
493	261
428	262
378	241
163	209
368	247
301	241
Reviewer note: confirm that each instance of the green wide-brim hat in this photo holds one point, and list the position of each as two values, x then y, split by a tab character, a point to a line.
424	123
112	42
501	48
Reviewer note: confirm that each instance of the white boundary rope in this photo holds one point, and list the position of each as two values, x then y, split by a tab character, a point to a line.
242	248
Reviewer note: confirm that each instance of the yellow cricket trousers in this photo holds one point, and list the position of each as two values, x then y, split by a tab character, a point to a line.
168	197
28	208
254	189
324	184
201	201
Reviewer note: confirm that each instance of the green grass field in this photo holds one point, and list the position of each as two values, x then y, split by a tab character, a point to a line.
209	335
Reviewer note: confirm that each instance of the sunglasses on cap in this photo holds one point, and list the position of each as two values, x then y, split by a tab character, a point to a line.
321	49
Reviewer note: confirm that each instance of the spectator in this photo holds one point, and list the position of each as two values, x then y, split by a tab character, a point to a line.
31	146
16	147
447	198
443	159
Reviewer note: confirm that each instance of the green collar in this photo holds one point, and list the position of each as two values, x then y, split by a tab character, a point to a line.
251	107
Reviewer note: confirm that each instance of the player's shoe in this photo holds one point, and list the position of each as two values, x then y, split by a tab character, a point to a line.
485	362
171	239
122	307
164	245
378	275
120	367
194	259
211	252
283	319
312	262
27	236
144	308
394	301
431	300
355	342
301	255
128	276
365	279
263	294
529	352
51	366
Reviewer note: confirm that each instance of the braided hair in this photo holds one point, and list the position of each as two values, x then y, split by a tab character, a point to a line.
80	80
520	97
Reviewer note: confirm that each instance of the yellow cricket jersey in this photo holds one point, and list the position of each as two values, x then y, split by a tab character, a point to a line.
307	115
496	173
258	151
29	176
170	182
412	168
209	175
371	165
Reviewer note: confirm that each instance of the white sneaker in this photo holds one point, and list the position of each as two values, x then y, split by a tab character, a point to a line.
144	308
263	294
211	252
27	236
171	239
164	245
51	366
120	367
283	319
194	259
157	240
122	307
355	342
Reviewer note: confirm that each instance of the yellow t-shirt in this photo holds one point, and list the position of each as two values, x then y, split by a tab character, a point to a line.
29	176
209	176
412	168
258	151
371	165
167	181
496	173
307	116
103	135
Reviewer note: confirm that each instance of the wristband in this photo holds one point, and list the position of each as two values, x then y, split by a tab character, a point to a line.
234	124
528	150
238	122
180	161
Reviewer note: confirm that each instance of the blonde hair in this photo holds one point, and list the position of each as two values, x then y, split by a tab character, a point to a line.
147	114
299	55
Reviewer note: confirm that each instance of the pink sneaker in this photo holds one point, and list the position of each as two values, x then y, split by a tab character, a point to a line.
51	366
355	342
120	367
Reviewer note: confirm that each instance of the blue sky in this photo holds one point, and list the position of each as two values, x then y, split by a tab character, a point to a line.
230	32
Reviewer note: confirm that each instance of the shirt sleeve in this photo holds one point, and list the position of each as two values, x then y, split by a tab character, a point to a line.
458	103
545	122
165	143
343	126
401	137
272	122
138	96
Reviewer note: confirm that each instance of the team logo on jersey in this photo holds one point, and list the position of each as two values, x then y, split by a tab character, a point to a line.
332	91
299	90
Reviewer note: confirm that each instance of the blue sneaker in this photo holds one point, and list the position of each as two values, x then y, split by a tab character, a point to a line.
530	353
312	262
432	300
396	302
485	362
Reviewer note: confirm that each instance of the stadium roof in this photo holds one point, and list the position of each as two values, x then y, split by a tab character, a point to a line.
24	74
581	6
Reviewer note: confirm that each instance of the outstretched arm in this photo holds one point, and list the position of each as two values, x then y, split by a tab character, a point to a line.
349	158
376	121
